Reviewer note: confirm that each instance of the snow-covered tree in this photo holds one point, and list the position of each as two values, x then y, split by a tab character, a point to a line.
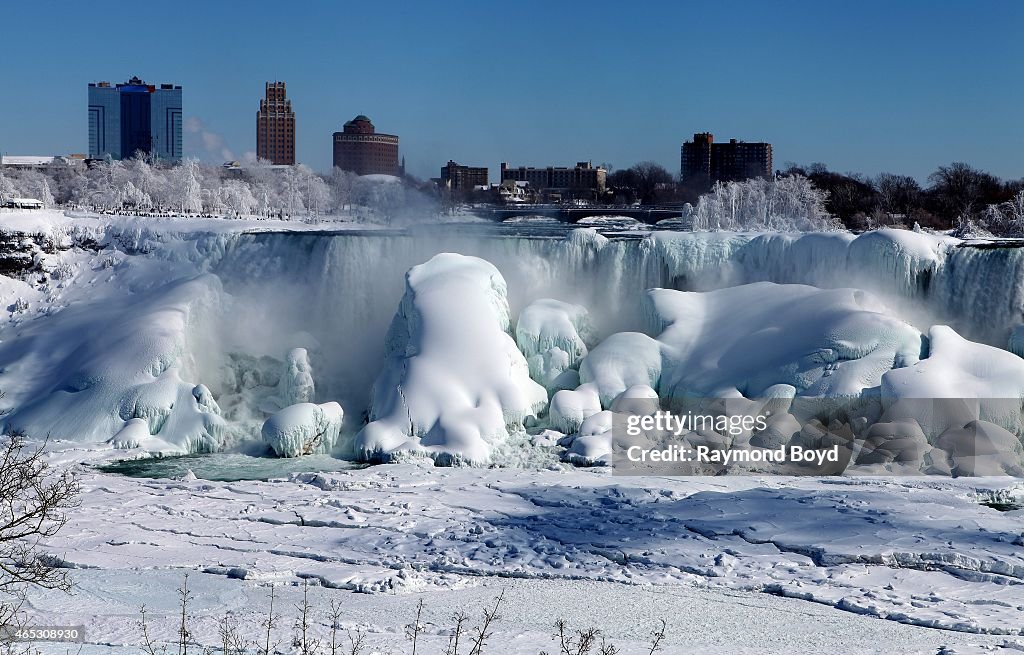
189	189
788	203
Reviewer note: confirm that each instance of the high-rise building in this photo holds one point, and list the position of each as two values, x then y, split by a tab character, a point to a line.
695	166
135	117
704	162
364	152
275	126
463	178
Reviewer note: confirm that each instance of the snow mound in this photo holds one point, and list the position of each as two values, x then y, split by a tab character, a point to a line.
592	445
569	409
303	429
553	336
623	360
987	382
454	383
744	340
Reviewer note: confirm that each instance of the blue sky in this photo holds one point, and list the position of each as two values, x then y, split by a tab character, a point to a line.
864	86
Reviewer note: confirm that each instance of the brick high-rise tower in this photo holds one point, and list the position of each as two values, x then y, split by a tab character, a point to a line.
275	127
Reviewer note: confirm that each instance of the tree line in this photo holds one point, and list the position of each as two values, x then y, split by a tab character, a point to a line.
192	188
957	196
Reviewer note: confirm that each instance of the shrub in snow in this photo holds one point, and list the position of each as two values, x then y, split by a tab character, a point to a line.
454	383
553	336
303	429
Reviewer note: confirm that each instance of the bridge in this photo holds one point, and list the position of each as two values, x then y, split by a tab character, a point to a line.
649	215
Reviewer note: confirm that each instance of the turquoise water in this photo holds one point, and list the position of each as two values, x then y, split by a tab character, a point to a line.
227	467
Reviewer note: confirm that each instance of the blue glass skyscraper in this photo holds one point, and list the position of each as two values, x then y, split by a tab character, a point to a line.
135	117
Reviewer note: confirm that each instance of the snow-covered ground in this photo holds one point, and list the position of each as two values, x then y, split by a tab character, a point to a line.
738	564
128	336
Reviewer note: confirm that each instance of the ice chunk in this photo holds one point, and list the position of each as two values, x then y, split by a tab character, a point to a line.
303	429
454	383
593	444
982	448
901	442
747	339
91	367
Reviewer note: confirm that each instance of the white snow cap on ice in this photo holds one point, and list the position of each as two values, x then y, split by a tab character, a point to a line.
744	340
303	429
454	382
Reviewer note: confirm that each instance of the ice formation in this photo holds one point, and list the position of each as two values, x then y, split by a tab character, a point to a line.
454	382
182	325
744	340
988	382
88	371
303	429
297	381
553	336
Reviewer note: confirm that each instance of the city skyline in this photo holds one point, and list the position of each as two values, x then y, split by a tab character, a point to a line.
926	85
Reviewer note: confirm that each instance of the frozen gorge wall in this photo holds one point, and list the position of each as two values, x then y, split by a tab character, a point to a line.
344	288
337	294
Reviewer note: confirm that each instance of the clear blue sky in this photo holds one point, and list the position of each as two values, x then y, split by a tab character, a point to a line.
864	86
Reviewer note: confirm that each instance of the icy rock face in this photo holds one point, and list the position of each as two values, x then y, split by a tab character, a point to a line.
454	383
107	363
553	335
1016	341
303	429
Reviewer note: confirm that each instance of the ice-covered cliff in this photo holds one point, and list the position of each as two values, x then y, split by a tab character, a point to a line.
230	305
